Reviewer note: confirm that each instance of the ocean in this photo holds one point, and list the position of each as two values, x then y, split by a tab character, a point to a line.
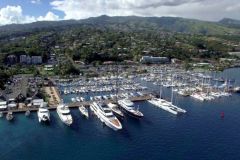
200	134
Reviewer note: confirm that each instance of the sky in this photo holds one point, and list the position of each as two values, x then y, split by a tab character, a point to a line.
27	11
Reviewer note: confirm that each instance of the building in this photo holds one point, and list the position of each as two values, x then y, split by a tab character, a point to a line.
36	60
234	54
23	59
11	59
28	60
154	60
49	67
37	102
175	61
3	105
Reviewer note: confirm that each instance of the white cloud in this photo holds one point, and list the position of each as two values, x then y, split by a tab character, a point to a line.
13	14
36	1
200	9
48	17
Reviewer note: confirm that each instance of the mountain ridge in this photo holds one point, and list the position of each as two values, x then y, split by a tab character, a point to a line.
171	24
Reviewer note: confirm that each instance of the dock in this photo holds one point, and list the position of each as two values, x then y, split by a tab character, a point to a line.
75	104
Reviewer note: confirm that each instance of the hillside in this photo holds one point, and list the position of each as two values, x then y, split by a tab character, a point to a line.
230	23
129	23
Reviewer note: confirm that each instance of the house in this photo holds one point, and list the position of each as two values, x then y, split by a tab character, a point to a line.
48	67
3	105
12	104
175	61
154	60
23	59
11	59
37	102
36	60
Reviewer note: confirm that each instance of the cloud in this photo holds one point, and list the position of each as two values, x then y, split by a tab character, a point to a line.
200	9
13	14
36	1
48	17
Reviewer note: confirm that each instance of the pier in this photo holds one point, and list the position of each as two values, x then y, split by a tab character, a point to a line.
75	104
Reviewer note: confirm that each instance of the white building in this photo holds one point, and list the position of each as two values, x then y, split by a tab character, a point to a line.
154	60
3	105
37	102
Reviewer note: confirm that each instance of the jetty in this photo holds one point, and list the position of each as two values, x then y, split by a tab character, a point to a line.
74	104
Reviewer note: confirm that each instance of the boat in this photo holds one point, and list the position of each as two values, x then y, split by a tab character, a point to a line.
197	96
129	108
115	109
78	99
9	116
43	114
167	106
105	114
73	99
236	89
84	111
64	114
27	113
1	114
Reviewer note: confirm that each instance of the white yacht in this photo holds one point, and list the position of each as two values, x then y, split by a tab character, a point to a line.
167	106
43	114
105	114
84	111
197	96
115	109
9	116
64	114
128	106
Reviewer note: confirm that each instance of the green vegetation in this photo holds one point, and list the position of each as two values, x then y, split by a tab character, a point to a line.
100	39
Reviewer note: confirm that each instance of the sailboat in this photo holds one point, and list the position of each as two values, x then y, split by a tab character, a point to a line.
166	105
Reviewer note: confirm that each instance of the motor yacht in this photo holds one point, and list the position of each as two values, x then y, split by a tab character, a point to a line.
105	114
84	111
115	109
43	114
64	114
129	108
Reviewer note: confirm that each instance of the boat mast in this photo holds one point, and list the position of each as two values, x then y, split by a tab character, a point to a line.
172	91
160	88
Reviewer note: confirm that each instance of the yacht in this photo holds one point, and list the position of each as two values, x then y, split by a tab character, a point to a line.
167	106
43	114
27	113
105	114
115	109
197	96
9	116
84	111
1	114
64	114
128	106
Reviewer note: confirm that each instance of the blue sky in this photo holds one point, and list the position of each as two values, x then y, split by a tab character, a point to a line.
34	9
26	11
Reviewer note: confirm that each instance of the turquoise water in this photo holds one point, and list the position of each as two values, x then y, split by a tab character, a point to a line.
200	134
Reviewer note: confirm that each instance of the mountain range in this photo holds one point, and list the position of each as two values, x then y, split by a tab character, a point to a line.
134	23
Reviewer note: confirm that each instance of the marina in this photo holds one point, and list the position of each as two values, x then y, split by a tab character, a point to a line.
157	122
